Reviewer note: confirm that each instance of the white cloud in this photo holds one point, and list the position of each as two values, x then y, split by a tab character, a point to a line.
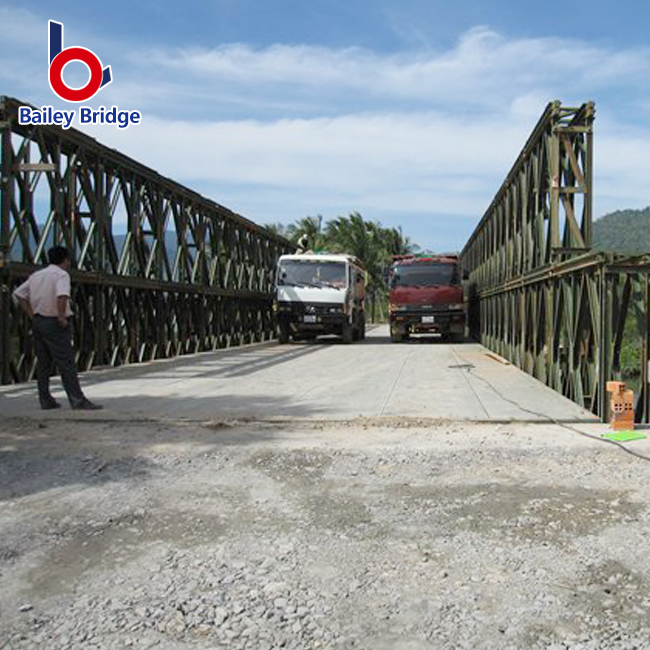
419	138
483	69
379	164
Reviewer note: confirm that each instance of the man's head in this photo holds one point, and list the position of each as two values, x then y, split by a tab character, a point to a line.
59	255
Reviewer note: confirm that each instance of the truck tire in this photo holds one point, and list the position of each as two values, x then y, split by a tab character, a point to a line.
397	336
347	333
283	333
362	327
356	328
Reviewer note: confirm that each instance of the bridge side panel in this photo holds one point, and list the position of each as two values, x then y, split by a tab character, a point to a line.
571	318
186	274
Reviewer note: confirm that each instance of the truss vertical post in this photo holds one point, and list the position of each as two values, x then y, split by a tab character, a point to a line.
606	345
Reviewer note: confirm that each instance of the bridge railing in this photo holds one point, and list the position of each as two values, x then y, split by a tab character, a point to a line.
542	211
186	275
537	294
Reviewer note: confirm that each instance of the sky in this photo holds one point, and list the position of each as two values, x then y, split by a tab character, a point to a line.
410	112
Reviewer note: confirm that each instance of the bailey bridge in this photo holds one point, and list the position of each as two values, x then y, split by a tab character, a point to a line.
175	315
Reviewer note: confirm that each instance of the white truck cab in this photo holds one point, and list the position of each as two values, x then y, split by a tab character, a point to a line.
320	294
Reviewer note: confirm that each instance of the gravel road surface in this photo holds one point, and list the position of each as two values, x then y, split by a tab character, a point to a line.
368	533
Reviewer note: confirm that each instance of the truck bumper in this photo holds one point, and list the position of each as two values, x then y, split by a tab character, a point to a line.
315	324
430	323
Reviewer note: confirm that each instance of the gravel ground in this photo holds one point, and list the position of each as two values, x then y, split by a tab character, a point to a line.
368	534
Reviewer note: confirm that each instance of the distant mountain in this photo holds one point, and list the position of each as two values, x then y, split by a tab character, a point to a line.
623	231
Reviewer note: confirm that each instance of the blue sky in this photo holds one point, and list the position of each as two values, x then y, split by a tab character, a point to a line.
409	111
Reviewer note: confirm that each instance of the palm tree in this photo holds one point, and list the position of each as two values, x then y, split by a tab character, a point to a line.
397	243
364	240
280	229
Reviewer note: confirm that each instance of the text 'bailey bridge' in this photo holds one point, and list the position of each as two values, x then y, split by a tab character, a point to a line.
539	296
187	275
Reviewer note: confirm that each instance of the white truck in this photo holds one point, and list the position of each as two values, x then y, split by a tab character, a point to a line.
320	294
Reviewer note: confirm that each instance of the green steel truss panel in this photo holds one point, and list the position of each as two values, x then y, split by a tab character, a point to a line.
537	295
188	275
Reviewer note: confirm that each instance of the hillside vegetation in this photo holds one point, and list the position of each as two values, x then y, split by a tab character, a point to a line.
623	231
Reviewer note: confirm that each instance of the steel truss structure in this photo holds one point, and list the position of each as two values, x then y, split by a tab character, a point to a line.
537	295
187	276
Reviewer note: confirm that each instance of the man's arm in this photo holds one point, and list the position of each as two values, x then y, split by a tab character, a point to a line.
62	297
62	308
25	306
21	294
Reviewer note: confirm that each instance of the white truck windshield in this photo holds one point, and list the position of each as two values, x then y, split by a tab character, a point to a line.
312	273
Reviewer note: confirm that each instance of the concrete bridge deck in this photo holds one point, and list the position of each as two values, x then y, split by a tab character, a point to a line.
322	380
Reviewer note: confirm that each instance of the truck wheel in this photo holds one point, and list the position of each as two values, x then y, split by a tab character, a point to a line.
348	333
395	336
362	327
283	332
356	329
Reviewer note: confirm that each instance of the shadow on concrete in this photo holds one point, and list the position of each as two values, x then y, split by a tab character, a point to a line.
250	366
64	448
422	339
253	359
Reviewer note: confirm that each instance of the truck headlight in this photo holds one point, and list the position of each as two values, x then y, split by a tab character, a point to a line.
457	305
336	310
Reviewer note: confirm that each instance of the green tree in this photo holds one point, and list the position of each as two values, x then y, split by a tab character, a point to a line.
397	243
280	229
363	239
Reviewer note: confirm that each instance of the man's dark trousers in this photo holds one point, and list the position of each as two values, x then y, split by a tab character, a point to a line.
53	344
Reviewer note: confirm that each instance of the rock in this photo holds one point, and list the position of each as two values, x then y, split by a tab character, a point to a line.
27	607
203	630
274	588
220	615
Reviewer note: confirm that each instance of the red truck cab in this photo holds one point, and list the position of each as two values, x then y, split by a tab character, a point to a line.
426	297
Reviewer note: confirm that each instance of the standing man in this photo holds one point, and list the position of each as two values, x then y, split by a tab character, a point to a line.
45	298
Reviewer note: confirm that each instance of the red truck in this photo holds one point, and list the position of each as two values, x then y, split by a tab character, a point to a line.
426	297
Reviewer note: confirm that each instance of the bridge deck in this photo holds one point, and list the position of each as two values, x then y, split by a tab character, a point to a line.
324	380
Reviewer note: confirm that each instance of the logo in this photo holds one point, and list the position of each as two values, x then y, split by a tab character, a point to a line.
60	57
100	76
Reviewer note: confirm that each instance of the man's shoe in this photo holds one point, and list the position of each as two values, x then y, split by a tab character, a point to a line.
46	406
87	405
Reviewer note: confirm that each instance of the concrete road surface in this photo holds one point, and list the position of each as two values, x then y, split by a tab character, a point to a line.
322	380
